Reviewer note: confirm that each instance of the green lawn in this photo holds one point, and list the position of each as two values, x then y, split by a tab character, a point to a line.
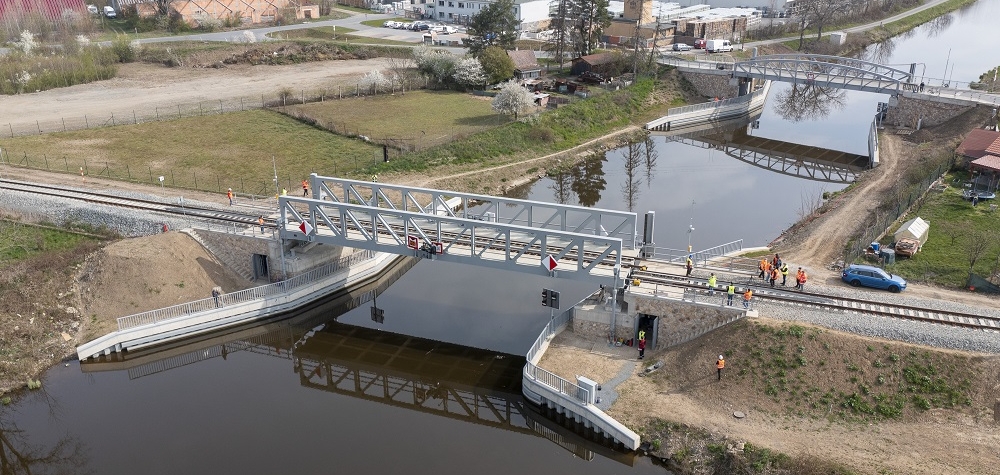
209	152
954	226
421	118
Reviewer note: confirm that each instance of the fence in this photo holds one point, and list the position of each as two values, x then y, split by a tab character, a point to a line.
282	98
887	215
242	296
716	257
581	395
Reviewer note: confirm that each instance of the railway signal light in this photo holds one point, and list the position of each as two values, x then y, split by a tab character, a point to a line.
550	298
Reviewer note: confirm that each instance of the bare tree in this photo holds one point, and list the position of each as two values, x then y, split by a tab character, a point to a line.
977	243
809	102
633	159
64	456
651	156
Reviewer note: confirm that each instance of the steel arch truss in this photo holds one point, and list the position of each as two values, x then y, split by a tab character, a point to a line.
450	238
525	213
825	71
825	172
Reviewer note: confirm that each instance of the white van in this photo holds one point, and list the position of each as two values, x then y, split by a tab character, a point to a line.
718	46
110	12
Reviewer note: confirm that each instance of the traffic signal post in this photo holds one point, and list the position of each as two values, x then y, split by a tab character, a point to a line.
550	298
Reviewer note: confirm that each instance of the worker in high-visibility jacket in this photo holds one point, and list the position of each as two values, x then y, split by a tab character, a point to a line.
800	279
730	293
719	366
712	280
746	298
784	273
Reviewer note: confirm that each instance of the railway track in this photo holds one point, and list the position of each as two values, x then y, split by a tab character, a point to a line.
833	303
179	208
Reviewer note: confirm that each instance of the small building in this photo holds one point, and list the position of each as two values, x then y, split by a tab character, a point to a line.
987	165
541	99
978	144
525	64
197	12
596	63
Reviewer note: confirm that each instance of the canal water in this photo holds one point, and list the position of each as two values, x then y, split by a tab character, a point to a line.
265	405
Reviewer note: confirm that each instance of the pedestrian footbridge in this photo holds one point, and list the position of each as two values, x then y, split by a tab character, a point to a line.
826	71
503	233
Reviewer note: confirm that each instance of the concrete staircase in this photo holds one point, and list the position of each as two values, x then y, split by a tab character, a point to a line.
232	260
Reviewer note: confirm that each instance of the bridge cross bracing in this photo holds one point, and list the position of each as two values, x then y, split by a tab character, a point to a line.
424	223
825	71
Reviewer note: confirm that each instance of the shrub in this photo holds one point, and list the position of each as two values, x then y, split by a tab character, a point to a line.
125	49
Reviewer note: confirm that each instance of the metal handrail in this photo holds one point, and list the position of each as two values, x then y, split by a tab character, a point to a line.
242	296
581	395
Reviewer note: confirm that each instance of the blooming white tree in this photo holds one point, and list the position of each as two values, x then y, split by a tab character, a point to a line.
375	82
27	42
469	72
513	99
435	63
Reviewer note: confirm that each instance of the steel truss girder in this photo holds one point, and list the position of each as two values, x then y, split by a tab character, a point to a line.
468	241
526	213
785	165
825	71
466	403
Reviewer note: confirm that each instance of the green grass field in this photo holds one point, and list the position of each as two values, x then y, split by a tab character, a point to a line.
422	118
954	226
208	152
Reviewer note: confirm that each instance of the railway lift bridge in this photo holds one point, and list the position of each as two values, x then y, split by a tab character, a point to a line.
502	233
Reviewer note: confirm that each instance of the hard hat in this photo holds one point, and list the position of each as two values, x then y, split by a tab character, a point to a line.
720	357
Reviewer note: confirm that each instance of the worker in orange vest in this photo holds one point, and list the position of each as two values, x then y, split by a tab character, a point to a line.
229	194
767	270
305	188
800	279
719	366
774	276
761	266
746	298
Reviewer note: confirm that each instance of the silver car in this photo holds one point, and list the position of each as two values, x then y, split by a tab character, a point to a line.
682	47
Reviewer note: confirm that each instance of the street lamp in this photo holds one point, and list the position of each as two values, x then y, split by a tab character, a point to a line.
690	226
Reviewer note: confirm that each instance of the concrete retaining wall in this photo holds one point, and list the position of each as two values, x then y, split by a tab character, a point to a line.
710	85
236	251
909	110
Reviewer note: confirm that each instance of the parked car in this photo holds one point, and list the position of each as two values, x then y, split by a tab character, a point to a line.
699	43
682	47
93	9
110	12
874	277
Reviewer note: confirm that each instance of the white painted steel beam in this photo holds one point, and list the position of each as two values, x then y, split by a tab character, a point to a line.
524	213
452	238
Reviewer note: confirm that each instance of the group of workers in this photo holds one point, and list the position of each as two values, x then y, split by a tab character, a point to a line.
769	271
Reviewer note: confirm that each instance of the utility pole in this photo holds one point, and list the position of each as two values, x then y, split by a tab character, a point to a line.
635	52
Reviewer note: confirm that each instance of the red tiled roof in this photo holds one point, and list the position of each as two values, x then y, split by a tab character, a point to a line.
595	59
994	148
976	143
49	9
988	161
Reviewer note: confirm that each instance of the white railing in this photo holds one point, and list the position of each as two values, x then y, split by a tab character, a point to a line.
242	296
718	109
581	395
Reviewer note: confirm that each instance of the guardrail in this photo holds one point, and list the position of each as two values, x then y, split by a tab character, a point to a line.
715	110
242	296
581	395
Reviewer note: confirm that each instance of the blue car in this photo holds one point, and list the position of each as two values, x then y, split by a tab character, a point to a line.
871	276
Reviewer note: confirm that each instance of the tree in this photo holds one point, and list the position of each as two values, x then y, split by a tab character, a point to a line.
435	63
496	64
494	25
375	82
592	18
808	101
561	25
469	73
513	99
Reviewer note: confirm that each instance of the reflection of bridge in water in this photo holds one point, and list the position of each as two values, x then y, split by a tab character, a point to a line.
804	161
473	385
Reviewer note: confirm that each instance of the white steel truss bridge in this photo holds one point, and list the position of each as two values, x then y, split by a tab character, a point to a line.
827	71
503	233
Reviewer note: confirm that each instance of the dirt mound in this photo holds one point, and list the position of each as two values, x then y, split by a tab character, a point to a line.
293	53
954	129
141	274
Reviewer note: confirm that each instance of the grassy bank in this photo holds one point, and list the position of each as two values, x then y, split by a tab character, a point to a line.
958	230
335	34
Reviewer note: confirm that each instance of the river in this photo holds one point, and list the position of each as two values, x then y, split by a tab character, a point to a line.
260	410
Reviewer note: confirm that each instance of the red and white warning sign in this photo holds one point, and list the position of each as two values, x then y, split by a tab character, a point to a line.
411	242
306	228
438	247
549	262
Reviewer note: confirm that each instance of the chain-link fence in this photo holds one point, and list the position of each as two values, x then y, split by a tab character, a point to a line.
885	216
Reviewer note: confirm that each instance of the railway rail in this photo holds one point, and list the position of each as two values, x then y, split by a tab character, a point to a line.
179	209
831	303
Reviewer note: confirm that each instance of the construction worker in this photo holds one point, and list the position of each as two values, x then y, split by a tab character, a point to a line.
305	188
800	279
260	221
784	273
774	276
374	178
711	284
746	298
719	366
284	192
689	265
730	292
761	267
776	261
229	194
642	334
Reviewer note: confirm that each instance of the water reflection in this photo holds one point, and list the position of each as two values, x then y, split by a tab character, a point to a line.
808	102
589	181
20	453
938	25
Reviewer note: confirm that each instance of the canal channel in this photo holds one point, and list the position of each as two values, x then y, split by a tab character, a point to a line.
255	402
